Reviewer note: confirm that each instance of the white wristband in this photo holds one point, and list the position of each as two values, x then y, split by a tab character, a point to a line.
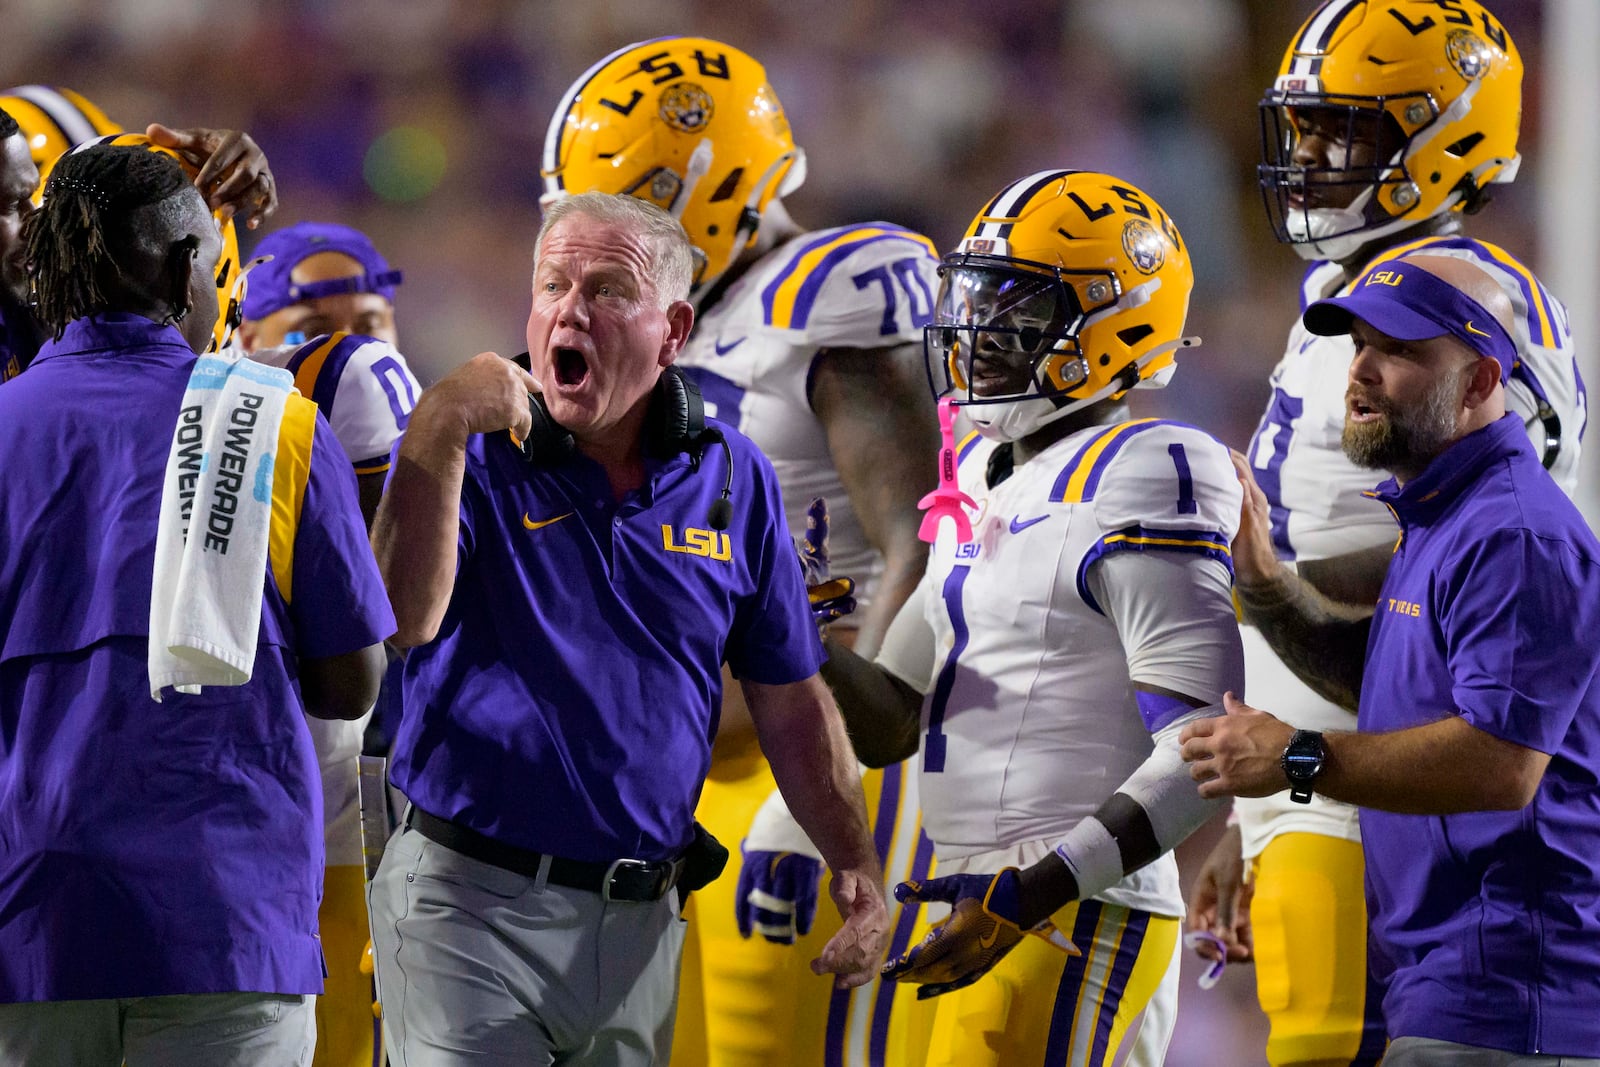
1093	855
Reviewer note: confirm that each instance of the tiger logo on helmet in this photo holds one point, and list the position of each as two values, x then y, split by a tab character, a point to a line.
689	124
230	274
1419	104
1070	287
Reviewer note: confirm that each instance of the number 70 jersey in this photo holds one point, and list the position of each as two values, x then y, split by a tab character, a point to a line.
1031	722
753	351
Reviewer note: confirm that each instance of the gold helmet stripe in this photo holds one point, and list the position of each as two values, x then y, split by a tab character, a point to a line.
67	117
1001	213
1312	44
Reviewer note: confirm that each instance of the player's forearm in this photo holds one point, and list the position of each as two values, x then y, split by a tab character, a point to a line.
1442	768
903	567
1323	643
882	714
414	534
805	743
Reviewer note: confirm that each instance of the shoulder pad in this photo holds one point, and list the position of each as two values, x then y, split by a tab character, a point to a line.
1541	320
853	286
1155	474
364	389
1318	281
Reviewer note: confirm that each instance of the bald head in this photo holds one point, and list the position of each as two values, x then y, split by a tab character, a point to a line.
1473	281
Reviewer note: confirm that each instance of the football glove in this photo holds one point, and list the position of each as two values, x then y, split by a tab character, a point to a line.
777	895
831	598
982	927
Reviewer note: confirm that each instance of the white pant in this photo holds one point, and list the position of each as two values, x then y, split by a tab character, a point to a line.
202	1030
480	966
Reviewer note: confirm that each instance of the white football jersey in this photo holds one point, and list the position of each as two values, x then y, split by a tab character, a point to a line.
366	392
1031	721
362	386
1315	492
751	353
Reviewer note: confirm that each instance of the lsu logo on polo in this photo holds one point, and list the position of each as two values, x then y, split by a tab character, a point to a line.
697	542
1405	607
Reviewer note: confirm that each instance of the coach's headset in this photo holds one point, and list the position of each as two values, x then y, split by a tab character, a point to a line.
675	422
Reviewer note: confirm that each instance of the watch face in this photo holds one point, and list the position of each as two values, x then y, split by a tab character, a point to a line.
1303	759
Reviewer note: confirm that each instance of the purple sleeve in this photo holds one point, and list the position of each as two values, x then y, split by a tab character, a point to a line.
339	601
1511	614
774	639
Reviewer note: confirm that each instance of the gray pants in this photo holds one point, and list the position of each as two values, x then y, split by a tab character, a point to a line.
203	1030
481	966
1430	1052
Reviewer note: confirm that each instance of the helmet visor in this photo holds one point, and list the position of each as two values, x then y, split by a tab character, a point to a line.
995	330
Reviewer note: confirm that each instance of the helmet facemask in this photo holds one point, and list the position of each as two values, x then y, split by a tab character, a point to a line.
1004	342
1363	191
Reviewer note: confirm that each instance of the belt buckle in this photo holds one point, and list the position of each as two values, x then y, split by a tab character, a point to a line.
631	866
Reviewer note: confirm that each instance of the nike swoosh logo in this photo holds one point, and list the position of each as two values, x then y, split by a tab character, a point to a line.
1473	329
987	942
723	349
542	523
1018	525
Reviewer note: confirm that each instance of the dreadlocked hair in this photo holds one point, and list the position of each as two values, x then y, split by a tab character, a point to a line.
70	241
8	125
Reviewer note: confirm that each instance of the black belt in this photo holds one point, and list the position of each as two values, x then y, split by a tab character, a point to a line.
627	879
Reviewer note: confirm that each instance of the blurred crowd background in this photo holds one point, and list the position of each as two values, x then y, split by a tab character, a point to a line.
422	123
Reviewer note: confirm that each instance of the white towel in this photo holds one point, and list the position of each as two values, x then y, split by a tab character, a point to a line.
205	600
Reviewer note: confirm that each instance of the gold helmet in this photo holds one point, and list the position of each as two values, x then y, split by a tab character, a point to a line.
1421	104
230	274
54	121
1076	277
687	123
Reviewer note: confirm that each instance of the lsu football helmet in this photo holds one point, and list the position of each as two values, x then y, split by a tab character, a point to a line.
54	121
1384	115
1069	287
690	125
230	274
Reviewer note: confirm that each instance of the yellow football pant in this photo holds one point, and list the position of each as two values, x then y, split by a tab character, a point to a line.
1040	1006
1309	915
751	1003
345	1025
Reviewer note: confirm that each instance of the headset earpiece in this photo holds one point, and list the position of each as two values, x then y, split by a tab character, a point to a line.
677	415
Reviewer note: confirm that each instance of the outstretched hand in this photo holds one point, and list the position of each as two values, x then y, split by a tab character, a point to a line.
982	928
852	955
1255	560
233	173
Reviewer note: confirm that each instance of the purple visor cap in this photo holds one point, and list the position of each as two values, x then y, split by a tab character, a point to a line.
270	288
1410	304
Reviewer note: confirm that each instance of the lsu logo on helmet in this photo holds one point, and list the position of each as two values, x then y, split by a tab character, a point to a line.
687	123
230	274
1423	102
1069	287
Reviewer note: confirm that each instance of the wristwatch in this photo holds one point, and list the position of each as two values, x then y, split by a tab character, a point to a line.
1302	761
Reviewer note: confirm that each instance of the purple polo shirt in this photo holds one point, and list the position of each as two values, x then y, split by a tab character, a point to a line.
151	848
568	703
1486	925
